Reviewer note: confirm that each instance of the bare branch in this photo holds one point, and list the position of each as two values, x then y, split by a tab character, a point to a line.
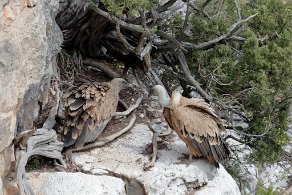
156	78
143	36
229	34
185	24
171	12
202	92
154	142
164	35
238	10
237	38
205	4
102	141
220	8
200	11
102	66
132	27
187	72
131	108
234	138
122	38
165	6
146	49
43	142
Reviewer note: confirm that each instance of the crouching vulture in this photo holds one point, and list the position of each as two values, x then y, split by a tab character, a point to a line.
89	107
195	123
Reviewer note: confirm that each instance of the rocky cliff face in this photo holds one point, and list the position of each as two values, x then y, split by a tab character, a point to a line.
29	42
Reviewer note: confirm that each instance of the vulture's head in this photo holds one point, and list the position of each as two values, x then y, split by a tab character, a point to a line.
161	93
120	84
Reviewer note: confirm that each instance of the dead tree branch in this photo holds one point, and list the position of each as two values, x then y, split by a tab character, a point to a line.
238	11
206	4
165	6
44	143
131	108
122	38
132	27
102	141
154	143
102	66
200	11
202	92
229	34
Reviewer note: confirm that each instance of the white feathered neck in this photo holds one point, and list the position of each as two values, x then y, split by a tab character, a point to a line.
163	98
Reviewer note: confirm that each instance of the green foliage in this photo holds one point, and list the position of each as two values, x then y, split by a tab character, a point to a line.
261	190
116	7
35	164
261	78
255	73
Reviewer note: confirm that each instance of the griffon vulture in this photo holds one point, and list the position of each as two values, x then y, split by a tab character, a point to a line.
195	123
89	107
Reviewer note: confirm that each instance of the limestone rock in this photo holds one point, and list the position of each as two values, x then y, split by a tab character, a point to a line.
63	183
29	42
127	156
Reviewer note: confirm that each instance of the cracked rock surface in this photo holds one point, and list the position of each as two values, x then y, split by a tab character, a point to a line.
126	156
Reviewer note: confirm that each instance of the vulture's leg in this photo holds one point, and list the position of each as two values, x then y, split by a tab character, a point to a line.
190	159
70	163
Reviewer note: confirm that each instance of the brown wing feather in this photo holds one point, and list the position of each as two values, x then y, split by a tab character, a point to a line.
77	104
199	127
201	106
87	106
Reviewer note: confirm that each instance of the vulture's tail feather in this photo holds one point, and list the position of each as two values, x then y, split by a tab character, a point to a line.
214	153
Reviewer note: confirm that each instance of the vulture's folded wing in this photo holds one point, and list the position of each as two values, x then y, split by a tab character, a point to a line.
87	106
201	106
199	129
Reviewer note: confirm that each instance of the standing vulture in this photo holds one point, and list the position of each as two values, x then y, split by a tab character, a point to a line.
89	107
195	123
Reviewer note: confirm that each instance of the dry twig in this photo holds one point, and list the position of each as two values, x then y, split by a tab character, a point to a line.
154	143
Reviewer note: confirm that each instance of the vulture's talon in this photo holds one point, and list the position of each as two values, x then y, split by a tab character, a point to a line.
190	159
